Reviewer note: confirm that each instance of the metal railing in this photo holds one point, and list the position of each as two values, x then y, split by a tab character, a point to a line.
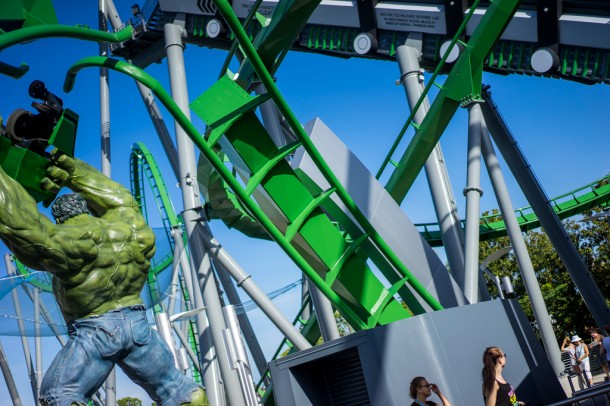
596	395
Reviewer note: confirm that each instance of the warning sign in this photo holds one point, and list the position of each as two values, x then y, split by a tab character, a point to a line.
416	18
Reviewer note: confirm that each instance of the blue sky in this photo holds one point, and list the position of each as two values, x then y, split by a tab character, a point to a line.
561	127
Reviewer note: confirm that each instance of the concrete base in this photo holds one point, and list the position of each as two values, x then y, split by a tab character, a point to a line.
376	366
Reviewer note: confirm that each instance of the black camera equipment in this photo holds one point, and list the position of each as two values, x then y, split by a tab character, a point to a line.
32	131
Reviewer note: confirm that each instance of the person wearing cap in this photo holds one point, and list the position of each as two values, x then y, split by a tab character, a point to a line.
581	352
567	346
99	254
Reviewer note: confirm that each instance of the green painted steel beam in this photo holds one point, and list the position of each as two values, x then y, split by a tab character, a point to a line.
210	154
269	84
274	40
463	86
337	259
55	30
15	14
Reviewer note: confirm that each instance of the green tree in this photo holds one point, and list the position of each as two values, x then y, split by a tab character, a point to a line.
129	402
566	307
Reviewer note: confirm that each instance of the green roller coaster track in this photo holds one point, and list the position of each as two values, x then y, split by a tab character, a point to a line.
337	263
143	165
569	204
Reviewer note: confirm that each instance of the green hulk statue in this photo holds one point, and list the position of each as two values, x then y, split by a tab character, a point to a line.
99	254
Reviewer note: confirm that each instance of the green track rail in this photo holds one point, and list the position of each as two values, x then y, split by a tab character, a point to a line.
143	165
340	265
355	290
567	205
339	260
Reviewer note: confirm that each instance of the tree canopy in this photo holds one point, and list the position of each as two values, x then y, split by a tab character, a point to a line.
566	307
129	402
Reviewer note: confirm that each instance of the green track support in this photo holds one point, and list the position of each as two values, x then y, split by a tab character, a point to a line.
463	86
379	306
337	260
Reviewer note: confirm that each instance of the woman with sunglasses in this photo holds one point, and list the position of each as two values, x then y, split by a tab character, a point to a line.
496	391
421	390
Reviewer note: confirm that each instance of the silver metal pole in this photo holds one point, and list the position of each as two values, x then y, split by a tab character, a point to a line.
495	280
105	154
175	280
306	314
24	340
238	355
412	78
160	127
37	341
163	326
541	313
190	194
246	327
247	284
186	346
473	193
326	314
272	120
104	95
524	174
209	363
8	378
149	102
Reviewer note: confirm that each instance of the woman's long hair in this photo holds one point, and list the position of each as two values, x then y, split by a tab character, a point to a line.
490	358
414	384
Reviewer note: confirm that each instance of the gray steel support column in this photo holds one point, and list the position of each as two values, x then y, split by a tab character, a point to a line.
244	322
325	312
160	127
528	274
37	341
175	277
105	154
438	180
104	95
524	174
149	102
190	195
272	120
209	362
8	378
247	284
306	314
473	193
239	359
186	346
24	340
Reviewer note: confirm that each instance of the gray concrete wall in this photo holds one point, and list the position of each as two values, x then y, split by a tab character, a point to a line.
445	346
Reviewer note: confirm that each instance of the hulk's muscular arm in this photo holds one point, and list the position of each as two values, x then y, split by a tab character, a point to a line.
30	235
104	196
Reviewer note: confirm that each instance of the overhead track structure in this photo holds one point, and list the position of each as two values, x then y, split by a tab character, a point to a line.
561	39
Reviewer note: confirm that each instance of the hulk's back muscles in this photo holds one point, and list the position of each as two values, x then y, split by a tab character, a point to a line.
111	278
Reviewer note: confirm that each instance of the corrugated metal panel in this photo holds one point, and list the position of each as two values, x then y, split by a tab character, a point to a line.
345	381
